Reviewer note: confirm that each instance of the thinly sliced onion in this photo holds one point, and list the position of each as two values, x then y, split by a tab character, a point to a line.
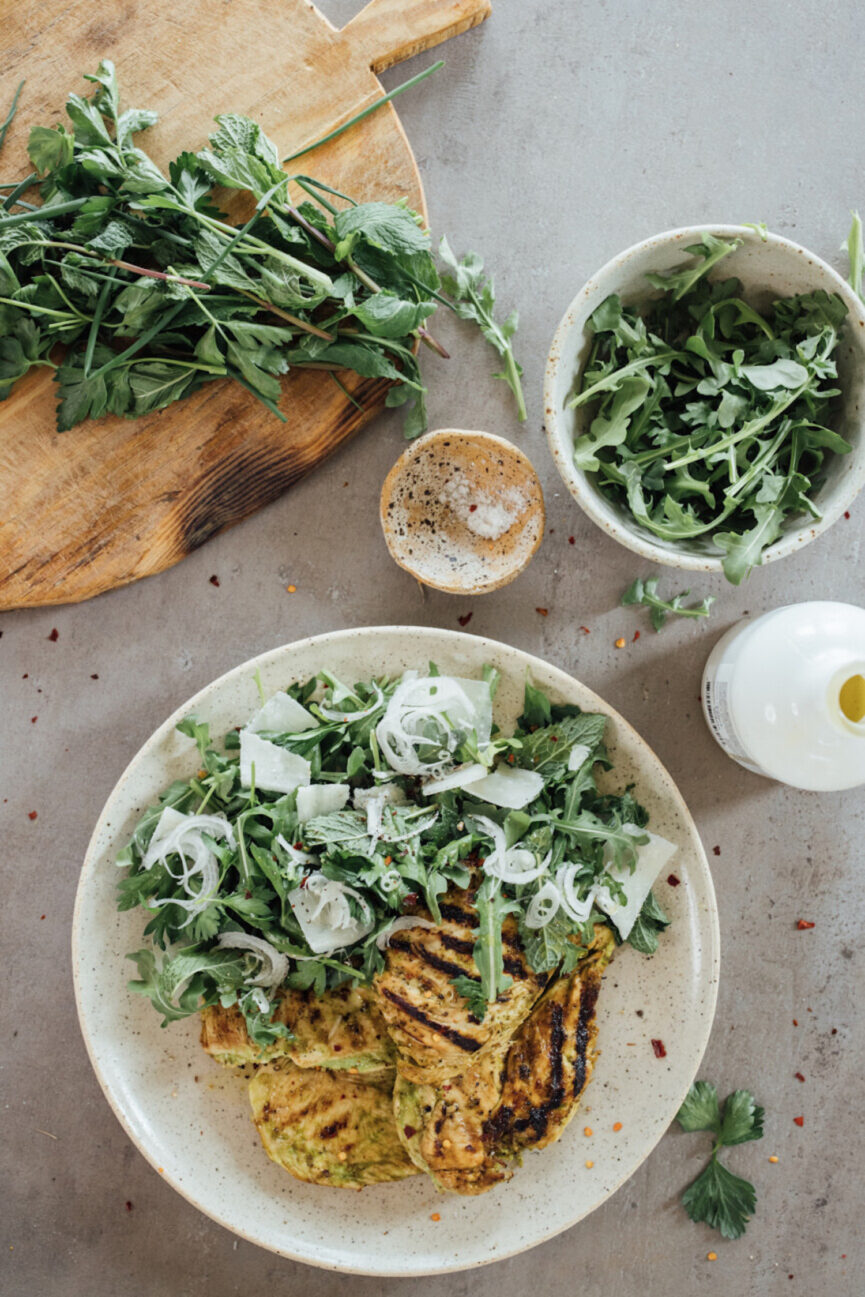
260	999
274	965
576	909
432	712
181	835
460	777
543	906
404	921
295	855
334	713
510	864
390	881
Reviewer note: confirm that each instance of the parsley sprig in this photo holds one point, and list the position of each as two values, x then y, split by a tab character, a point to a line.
644	592
717	1196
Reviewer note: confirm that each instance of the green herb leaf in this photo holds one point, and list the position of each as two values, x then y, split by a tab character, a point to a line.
721	1199
700	1110
644	592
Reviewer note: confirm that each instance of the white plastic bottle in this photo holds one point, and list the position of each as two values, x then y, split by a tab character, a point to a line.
784	695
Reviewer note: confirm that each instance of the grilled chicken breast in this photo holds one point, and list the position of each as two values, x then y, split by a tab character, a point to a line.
520	1095
435	1034
341	1029
328	1127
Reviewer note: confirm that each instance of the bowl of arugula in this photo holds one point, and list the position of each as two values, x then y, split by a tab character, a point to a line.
704	398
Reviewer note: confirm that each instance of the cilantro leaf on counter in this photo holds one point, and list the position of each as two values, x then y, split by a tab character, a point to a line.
717	1196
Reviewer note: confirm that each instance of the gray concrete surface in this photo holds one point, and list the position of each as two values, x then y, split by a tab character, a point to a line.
558	134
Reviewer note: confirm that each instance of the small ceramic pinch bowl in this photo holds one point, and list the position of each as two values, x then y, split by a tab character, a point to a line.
462	511
768	270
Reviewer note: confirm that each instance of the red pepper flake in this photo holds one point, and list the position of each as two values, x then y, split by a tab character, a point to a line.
26	675
795	1022
291	589
247	896
572	540
511	758
33	720
41	916
464	621
834	1031
803	925
54	636
847	514
673	880
409	1132
472	508
620	642
214	580
31	815
660	1048
636	637
128	1205
585	630
716	851
799	1076
798	1121
95	675
543	612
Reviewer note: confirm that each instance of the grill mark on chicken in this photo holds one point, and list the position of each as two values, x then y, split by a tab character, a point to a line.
435	961
466	1043
333	1128
587	1008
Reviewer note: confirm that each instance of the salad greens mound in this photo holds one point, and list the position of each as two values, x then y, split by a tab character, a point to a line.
710	418
339	815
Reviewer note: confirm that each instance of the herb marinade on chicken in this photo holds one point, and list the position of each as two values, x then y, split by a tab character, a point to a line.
377	1083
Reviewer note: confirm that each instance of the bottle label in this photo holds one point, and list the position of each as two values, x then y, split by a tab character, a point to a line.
716	704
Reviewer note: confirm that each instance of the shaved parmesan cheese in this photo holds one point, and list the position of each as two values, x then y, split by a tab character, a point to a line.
321	908
282	714
320	799
654	856
577	755
390	795
276	770
459	777
509	786
404	921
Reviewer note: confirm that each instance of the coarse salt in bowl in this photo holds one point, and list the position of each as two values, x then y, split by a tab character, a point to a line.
769	268
462	511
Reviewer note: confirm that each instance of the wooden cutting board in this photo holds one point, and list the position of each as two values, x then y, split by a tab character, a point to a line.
114	500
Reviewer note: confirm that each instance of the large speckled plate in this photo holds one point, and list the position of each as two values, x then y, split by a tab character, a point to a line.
191	1119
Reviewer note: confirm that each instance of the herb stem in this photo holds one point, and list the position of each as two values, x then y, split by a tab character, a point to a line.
10	116
365	112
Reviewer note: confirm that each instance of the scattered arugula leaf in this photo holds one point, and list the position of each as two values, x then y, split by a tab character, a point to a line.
644	593
717	1196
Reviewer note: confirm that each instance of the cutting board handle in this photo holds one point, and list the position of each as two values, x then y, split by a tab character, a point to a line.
388	31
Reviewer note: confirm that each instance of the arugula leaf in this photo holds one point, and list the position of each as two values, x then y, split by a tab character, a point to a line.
472	297
488	951
644	592
178	986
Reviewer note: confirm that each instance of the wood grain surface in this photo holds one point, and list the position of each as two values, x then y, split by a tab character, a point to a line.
113	499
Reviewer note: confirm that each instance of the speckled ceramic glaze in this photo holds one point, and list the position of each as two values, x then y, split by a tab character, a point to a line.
191	1119
429	538
770	268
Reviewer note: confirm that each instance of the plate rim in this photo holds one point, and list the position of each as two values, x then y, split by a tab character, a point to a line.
712	962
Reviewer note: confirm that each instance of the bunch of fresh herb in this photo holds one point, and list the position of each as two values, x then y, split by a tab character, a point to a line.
710	416
153	291
644	592
717	1196
424	843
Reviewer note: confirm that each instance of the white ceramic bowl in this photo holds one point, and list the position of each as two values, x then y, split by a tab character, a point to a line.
768	270
190	1117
